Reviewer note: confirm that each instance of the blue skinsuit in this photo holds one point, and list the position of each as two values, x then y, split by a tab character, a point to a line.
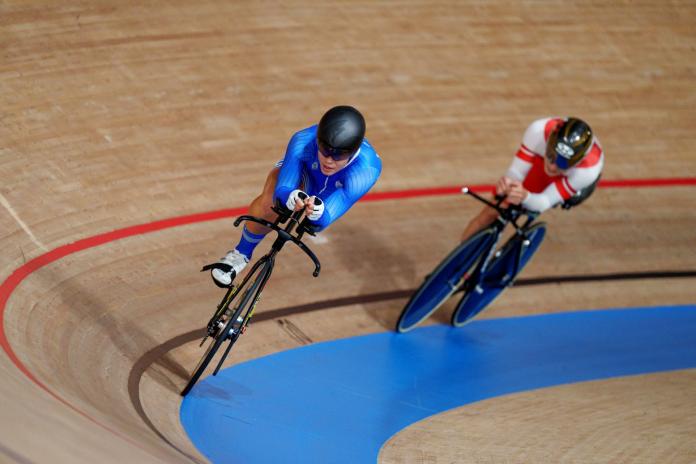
338	191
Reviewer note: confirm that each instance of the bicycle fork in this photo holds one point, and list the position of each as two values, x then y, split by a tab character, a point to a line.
475	277
524	242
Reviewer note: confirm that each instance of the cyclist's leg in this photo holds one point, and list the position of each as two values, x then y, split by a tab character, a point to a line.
252	234
261	206
482	220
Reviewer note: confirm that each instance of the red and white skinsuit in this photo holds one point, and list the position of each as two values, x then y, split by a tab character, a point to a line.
528	167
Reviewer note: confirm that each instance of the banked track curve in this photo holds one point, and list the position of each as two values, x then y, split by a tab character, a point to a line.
21	273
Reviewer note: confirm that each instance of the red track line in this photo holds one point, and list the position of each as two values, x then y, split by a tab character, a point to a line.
625	183
11	283
454	190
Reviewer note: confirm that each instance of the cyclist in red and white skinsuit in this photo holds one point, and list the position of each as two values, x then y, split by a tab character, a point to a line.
559	162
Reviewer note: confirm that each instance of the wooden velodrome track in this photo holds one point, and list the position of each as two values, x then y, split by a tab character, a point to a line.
115	114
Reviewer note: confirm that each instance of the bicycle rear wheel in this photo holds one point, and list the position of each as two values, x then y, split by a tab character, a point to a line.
248	289
500	274
444	280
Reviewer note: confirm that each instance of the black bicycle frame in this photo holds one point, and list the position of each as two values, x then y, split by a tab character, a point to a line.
284	235
268	260
506	216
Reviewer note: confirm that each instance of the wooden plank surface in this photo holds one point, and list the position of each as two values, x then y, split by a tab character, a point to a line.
115	114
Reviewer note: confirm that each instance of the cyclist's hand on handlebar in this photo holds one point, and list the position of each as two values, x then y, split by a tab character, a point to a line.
315	208
296	200
516	193
501	191
512	190
501	187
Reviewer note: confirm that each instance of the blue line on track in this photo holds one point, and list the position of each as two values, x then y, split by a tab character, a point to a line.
340	401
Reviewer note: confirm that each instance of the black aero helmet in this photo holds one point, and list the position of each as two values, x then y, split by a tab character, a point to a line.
341	131
569	143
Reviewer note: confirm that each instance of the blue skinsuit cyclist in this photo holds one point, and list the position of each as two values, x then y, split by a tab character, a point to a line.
331	161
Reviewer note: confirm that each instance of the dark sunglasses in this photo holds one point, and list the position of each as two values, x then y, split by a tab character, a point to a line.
336	154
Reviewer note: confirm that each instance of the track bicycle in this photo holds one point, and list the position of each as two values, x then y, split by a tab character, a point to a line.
477	267
230	321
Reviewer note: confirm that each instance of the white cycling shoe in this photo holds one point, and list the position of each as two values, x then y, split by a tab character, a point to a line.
237	263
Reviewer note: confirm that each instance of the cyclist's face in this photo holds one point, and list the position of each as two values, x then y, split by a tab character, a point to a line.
551	168
330	165
554	154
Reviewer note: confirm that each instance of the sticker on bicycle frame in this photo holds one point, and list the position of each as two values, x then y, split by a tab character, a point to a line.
253	307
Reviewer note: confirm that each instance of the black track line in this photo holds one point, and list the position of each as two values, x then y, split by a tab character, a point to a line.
155	354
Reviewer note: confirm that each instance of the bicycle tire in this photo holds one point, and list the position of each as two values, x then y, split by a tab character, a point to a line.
222	335
498	277
440	284
213	347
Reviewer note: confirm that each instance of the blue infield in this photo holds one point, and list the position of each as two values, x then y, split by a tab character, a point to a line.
340	401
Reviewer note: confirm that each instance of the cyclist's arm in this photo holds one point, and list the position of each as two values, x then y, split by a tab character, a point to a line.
540	202
291	171
582	177
520	166
356	184
482	220
562	188
532	146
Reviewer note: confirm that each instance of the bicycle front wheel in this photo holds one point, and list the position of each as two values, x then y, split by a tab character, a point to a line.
248	289
210	352
500	274
444	280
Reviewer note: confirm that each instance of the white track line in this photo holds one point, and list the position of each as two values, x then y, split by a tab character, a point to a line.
26	229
